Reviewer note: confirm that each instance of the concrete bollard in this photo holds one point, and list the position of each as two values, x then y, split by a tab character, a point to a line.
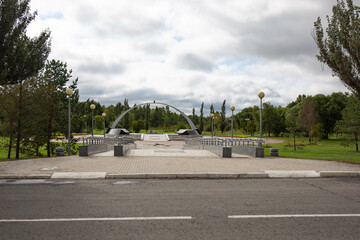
274	152
59	152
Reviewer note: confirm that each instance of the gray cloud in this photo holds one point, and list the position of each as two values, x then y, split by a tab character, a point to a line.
194	62
98	67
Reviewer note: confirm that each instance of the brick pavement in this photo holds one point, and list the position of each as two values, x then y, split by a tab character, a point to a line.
119	165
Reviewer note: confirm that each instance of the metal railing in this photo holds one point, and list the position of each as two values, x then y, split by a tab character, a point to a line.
119	140
225	142
92	140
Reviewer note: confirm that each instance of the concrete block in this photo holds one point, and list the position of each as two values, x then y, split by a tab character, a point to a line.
274	152
226	152
119	151
83	150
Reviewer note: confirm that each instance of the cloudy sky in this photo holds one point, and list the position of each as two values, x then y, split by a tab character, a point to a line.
184	52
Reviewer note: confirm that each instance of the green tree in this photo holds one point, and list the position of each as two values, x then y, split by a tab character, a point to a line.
351	122
147	117
292	122
212	108
19	110
308	116
340	48
126	124
201	126
223	117
270	119
54	99
21	57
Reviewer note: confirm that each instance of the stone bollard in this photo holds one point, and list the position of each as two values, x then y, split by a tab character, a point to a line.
274	152
59	152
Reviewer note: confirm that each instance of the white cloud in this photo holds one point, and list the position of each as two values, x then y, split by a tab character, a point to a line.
188	51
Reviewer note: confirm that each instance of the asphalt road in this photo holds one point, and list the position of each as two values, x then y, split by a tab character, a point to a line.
180	209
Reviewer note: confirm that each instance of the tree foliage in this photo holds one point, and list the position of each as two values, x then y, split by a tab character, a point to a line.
339	47
21	57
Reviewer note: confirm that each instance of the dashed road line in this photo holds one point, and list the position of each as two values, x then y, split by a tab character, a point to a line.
96	219
292	216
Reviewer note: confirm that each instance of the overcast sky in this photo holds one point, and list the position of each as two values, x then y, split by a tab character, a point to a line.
185	52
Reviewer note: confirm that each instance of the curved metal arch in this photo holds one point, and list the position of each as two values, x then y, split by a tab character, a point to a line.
192	125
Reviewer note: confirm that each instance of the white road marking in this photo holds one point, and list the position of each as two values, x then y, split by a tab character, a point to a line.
96	219
292	216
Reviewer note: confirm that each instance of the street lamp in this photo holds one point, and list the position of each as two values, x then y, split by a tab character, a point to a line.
85	124
92	107
232	108
261	95
247	122
69	92
104	115
212	124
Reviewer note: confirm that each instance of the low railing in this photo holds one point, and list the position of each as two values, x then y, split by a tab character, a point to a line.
225	142
92	140
112	141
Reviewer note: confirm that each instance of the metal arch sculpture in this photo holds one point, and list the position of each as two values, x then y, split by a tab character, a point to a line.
192	125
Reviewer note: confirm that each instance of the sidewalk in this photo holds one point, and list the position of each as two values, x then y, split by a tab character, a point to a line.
173	167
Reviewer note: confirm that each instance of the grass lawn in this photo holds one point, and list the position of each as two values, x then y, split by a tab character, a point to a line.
42	150
323	150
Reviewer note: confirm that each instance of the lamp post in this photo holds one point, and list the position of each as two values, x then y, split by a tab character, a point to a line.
247	123
85	124
92	107
69	92
232	108
104	115
261	95
212	124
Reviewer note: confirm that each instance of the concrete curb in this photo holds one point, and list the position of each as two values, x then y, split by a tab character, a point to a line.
244	175
339	174
25	176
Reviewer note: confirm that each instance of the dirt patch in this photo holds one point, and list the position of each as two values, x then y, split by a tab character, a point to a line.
272	141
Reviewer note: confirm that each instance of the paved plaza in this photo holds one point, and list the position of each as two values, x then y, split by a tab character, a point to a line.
169	158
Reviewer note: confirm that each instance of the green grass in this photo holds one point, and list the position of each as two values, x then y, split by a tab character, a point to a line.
323	150
42	151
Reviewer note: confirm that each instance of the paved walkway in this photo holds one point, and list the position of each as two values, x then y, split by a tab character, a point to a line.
166	165
154	159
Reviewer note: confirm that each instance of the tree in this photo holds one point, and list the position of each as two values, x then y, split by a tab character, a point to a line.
212	108
308	116
340	49
147	117
21	57
351	122
19	111
54	103
223	117
292	122
270	118
201	126
126	117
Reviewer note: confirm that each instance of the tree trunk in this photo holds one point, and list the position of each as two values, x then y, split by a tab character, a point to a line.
10	146
18	130
37	149
294	143
356	143
49	134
